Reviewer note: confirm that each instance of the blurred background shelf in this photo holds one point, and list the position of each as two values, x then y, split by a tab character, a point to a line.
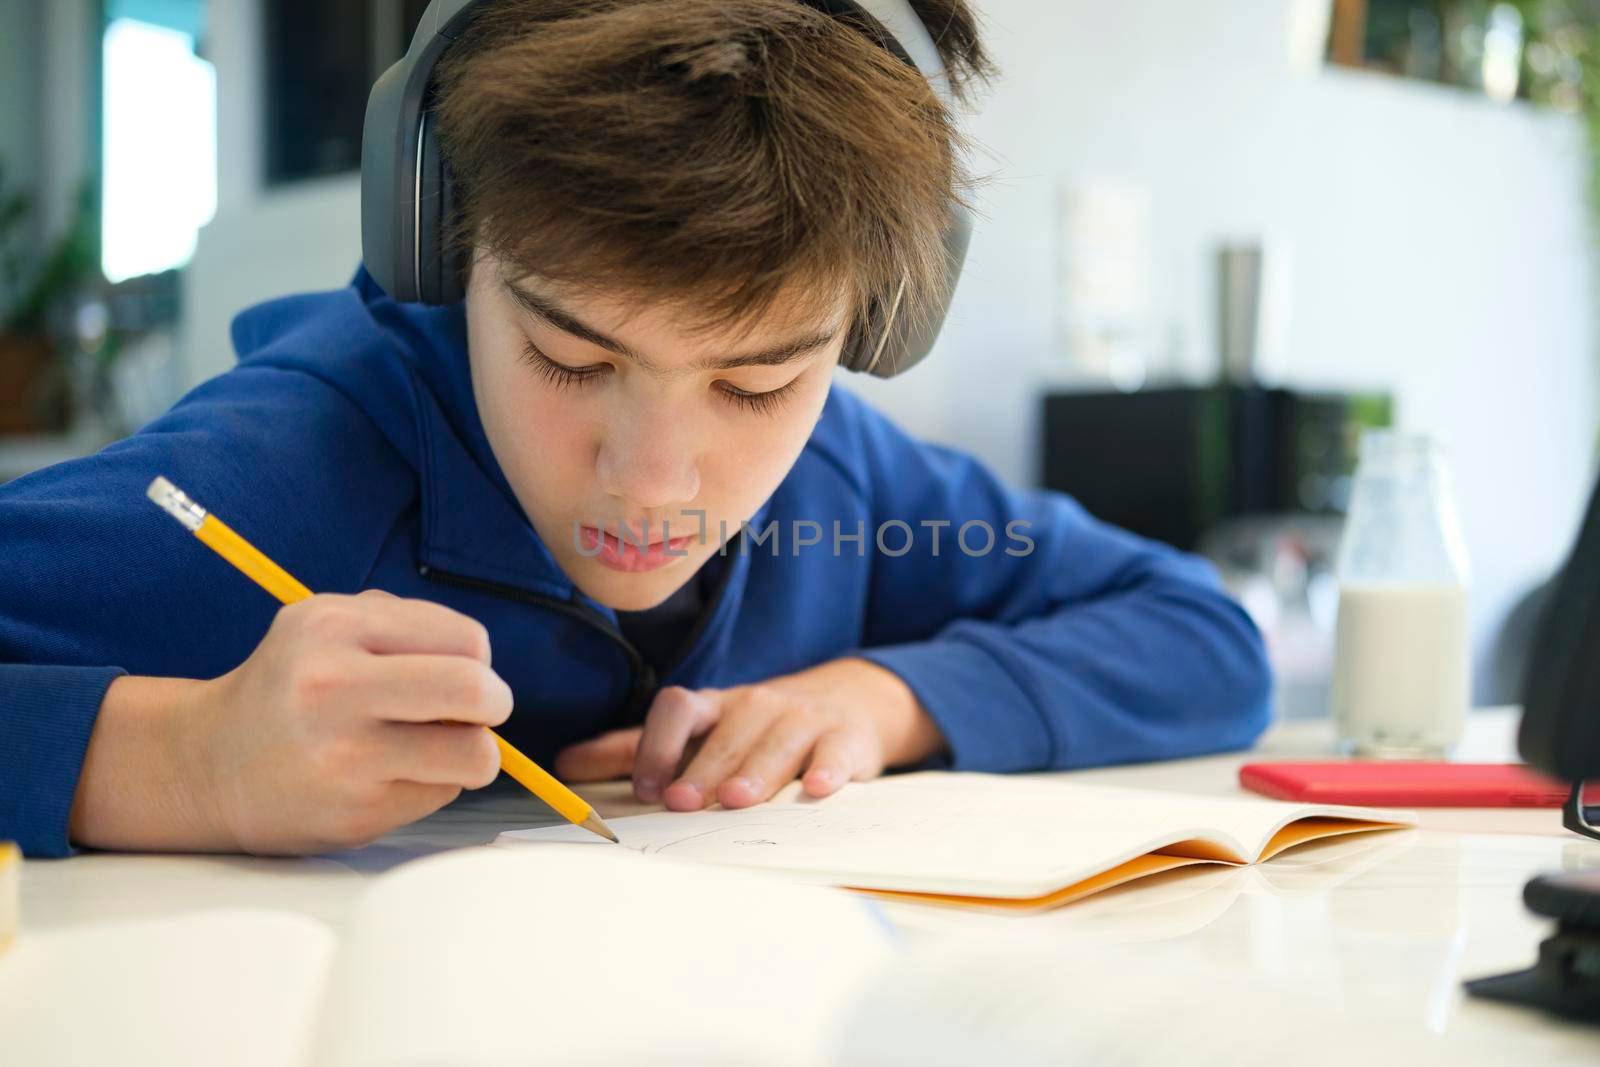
24	453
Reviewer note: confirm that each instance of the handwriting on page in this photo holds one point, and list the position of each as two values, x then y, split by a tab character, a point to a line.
709	833
906	830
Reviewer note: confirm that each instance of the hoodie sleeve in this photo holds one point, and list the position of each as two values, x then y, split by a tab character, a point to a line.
1038	637
98	582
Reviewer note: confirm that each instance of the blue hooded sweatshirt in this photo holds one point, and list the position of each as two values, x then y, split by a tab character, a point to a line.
347	446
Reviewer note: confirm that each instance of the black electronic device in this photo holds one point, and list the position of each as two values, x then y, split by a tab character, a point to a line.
1566	979
1560	735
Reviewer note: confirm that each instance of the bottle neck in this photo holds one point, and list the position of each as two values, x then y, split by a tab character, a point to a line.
1402	524
1400	456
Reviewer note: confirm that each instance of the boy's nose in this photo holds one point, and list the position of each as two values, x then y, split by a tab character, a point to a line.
649	472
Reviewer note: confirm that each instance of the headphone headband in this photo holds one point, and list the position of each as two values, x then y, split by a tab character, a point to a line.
408	198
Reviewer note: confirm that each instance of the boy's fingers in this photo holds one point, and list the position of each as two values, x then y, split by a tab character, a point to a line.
834	762
723	750
387	625
610	755
425	688
396	804
677	715
772	762
441	754
406	802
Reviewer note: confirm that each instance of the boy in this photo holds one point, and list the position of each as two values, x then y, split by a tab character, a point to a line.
618	463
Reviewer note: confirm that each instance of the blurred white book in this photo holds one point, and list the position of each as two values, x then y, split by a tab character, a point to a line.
475	957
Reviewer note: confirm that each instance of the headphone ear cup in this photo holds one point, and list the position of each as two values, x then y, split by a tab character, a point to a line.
386	177
439	280
452	258
861	340
888	341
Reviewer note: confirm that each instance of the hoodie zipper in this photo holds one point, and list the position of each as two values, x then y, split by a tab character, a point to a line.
642	678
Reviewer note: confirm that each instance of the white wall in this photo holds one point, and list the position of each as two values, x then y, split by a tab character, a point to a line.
1440	246
1440	243
299	239
233	44
263	242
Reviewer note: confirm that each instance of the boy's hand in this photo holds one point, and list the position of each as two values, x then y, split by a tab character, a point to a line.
843	720
328	736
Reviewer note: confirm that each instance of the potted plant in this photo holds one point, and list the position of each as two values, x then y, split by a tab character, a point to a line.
34	397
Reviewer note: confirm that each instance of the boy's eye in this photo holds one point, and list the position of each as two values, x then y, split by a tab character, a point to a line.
561	376
760	403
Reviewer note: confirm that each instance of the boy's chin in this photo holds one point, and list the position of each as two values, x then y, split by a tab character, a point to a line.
638	591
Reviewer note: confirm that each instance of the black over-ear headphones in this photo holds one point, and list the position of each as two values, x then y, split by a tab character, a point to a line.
407	197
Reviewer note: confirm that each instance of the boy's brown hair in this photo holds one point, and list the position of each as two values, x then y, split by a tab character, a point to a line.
709	154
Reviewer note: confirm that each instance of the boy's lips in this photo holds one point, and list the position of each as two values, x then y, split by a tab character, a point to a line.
653	533
627	555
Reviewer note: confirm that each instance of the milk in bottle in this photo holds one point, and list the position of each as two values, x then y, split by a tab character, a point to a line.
1401	666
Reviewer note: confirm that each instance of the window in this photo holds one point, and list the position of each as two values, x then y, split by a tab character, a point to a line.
159	147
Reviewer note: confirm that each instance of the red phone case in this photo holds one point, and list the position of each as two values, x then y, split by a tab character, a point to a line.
1406	783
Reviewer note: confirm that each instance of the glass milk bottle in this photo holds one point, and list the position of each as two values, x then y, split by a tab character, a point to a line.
1400	672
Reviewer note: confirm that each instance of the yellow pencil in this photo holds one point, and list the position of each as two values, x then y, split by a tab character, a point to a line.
221	539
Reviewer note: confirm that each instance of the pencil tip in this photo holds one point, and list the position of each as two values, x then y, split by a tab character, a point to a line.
595	824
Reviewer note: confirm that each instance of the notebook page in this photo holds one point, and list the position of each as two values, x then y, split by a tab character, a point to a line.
576	956
951	833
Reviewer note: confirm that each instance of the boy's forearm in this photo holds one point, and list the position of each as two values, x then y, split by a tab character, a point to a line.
143	780
1171	668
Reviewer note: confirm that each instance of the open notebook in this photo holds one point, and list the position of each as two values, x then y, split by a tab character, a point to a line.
979	840
473	958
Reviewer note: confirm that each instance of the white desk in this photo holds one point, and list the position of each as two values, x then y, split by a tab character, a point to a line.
1385	928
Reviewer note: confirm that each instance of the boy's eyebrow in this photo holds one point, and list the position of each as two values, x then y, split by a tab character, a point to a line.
788	352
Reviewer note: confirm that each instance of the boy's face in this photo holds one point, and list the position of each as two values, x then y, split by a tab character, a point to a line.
601	412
